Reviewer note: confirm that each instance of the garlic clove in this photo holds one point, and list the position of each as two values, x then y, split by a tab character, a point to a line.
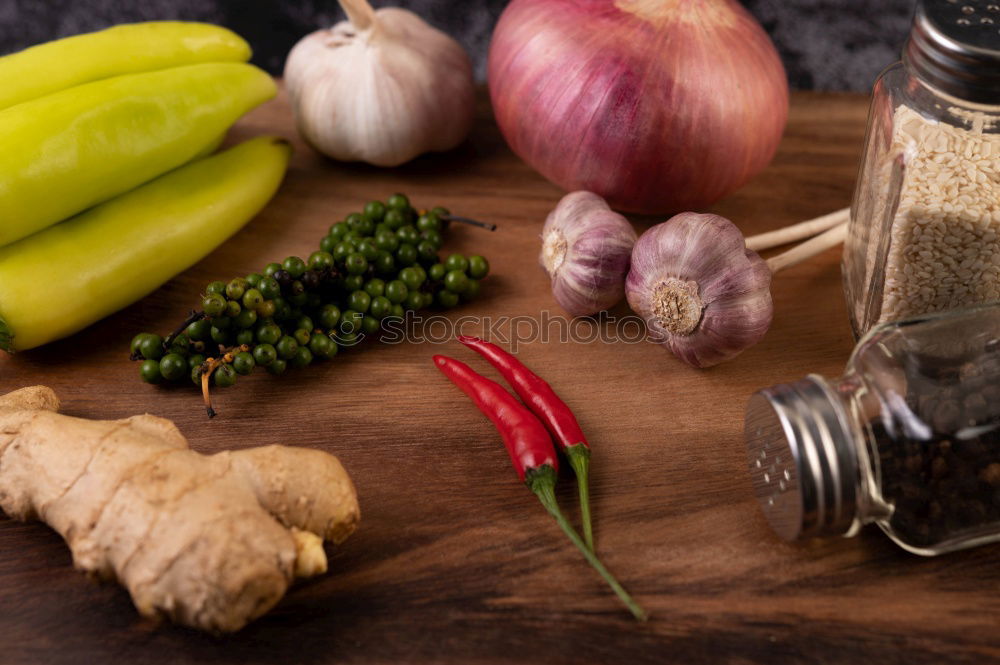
700	291
586	248
729	327
382	88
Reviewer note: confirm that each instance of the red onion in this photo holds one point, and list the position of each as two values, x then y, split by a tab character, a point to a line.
656	105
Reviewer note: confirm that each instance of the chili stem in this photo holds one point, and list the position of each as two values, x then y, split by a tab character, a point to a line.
808	249
579	459
542	482
797	232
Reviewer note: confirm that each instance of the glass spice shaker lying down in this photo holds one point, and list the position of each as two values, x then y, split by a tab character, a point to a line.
924	234
908	438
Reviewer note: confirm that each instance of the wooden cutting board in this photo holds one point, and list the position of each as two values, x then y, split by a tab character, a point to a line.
455	562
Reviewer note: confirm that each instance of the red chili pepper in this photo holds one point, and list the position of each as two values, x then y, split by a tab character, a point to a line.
531	451
536	393
527	442
547	405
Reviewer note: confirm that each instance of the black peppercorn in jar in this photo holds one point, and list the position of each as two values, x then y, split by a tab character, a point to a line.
908	438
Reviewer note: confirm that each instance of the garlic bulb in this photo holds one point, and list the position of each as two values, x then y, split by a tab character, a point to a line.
702	293
382	87
585	249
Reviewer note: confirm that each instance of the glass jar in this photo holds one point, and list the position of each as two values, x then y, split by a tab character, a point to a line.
908	438
924	234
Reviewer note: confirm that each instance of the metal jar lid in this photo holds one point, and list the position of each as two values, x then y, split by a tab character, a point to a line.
803	459
954	46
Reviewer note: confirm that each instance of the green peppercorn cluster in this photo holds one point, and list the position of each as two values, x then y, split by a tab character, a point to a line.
371	268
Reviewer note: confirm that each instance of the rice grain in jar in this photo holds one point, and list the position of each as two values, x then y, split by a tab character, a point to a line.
925	221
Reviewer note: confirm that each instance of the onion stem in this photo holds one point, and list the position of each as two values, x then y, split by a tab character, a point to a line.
796	232
808	249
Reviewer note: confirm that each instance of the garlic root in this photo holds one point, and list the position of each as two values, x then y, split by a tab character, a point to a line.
209	541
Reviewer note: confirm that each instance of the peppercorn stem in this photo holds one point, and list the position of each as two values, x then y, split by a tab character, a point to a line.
796	232
542	481
206	373
471	222
192	317
210	366
579	458
808	249
6	337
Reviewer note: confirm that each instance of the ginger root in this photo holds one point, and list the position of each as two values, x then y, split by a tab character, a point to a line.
212	542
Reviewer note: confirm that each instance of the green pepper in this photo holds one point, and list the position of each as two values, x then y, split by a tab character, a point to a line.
73	149
61	280
124	49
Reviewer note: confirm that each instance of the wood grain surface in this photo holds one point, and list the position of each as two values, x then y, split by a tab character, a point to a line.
455	562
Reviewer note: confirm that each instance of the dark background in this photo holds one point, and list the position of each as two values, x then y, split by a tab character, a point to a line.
826	44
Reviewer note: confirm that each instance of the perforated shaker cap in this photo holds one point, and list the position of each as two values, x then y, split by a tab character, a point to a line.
954	46
802	457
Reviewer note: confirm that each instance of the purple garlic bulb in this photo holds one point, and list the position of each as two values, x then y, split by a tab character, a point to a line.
585	249
702	293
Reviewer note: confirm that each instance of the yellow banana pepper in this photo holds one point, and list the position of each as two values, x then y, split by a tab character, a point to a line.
123	49
73	149
61	280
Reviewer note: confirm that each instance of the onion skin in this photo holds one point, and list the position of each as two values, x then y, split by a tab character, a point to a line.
732	283
655	105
